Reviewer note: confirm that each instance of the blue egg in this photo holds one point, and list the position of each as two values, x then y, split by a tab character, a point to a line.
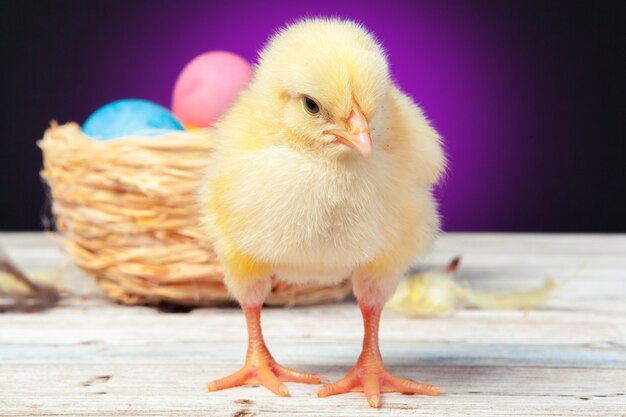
130	117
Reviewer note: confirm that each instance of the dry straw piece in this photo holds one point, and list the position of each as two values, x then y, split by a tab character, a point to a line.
128	211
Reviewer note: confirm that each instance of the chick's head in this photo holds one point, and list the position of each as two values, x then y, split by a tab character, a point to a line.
330	79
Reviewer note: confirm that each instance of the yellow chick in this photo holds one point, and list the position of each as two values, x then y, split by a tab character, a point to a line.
322	170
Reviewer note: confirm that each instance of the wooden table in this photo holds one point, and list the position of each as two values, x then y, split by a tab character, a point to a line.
91	357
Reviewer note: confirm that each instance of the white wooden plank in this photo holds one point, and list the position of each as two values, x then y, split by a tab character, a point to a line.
565	359
220	325
179	390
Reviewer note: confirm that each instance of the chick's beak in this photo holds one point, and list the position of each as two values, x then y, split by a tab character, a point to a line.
357	133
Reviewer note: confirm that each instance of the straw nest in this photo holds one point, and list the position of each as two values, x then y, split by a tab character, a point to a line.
128	212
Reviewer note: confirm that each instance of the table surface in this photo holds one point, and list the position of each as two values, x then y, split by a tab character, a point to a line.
92	357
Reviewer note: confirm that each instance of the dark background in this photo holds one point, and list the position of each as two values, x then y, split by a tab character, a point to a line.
529	95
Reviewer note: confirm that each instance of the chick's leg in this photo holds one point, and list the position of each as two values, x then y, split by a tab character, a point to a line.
260	368
369	374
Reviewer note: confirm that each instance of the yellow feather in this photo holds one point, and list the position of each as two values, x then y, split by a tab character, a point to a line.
436	291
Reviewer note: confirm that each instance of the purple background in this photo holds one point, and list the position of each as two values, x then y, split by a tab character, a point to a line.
506	84
448	58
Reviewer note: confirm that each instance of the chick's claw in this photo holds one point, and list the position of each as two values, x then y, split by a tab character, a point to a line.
373	383
291	375
264	371
260	368
241	377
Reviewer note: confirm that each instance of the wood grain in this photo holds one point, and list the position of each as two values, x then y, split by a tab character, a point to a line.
91	357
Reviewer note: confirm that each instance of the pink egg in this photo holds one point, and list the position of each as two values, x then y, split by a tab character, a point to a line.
208	86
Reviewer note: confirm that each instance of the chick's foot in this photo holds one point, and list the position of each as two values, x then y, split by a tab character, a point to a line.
374	381
369	374
260	367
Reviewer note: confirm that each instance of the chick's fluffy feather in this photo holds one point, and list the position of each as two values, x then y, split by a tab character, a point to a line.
282	198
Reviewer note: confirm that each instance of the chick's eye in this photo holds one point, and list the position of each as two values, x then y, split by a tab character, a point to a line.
310	105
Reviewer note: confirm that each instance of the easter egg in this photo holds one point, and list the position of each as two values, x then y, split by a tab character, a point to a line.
130	117
208	86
